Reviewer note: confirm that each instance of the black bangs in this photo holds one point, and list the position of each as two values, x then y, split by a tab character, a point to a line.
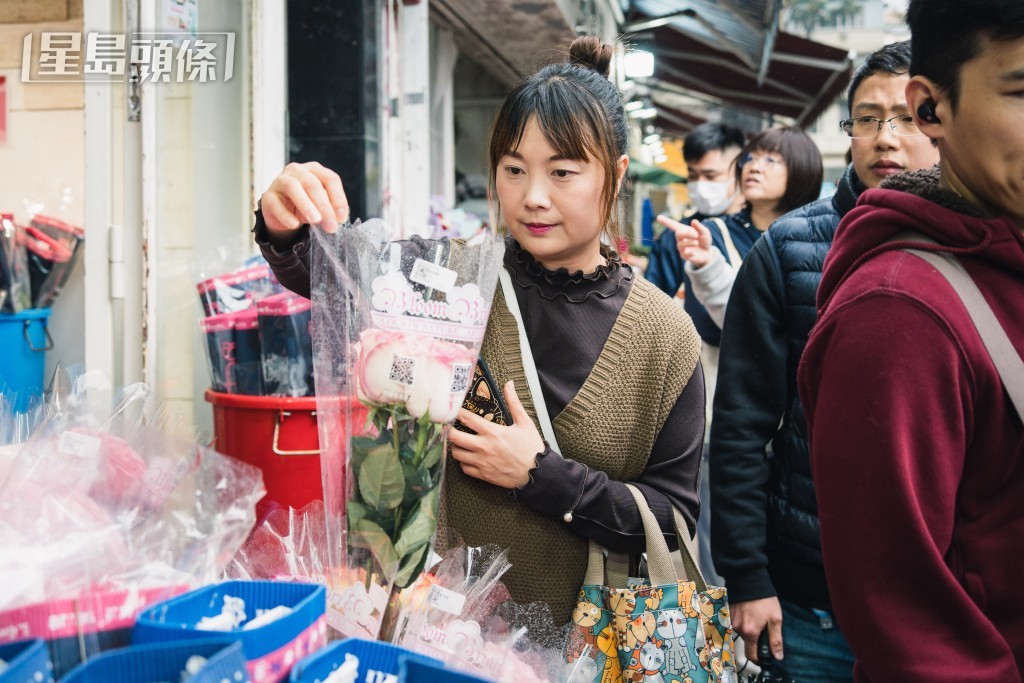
566	118
565	115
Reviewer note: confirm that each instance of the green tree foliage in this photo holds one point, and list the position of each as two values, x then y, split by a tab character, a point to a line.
809	15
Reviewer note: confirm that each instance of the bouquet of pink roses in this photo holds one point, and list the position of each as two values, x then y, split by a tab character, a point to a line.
396	326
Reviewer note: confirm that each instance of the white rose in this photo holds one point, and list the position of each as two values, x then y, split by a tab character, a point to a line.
428	375
444	370
378	352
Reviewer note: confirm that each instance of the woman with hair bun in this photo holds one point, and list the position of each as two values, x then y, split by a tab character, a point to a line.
617	360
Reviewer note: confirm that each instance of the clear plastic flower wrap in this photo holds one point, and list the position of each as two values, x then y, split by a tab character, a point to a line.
397	327
461	613
21	412
290	545
102	511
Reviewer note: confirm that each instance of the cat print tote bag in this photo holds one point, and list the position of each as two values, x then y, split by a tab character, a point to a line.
669	628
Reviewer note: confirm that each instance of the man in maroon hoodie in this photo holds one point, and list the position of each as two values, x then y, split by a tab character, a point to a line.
916	450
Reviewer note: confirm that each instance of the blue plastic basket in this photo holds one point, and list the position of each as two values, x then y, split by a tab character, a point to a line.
176	619
24	341
165	662
27	662
374	658
416	671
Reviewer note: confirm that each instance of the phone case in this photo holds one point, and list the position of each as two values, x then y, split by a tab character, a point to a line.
484	398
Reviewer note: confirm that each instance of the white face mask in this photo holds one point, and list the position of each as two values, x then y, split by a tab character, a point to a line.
711	198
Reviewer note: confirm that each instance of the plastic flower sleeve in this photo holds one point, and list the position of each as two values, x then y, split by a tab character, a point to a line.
102	512
290	545
461	613
397	327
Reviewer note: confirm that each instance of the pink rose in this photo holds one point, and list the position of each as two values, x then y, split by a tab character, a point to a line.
430	376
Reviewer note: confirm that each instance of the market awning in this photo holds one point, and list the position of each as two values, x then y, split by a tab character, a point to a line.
744	28
675	121
509	38
723	52
652	174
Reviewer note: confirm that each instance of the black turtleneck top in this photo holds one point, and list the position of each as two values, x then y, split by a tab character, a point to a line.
559	305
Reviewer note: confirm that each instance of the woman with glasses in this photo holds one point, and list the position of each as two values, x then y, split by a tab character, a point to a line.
778	170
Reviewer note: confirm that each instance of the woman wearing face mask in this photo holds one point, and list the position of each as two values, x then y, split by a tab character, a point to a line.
778	170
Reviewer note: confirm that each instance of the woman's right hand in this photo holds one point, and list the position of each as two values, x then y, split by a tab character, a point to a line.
304	193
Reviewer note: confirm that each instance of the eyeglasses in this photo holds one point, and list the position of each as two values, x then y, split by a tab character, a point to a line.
770	160
869	126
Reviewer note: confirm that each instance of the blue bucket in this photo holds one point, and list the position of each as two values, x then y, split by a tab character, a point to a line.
24	341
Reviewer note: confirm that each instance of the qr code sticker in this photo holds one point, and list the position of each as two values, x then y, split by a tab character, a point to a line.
460	377
403	369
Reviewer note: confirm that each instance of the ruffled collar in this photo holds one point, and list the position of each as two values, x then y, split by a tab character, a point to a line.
575	287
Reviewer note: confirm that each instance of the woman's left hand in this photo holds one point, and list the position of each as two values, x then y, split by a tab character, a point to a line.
498	454
693	241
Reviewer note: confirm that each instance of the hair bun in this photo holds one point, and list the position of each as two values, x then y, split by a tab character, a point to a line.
590	52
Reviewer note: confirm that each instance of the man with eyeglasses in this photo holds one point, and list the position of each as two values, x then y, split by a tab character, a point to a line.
917	442
764	525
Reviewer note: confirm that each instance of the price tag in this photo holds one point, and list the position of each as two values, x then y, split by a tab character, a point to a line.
79	444
431	275
446	600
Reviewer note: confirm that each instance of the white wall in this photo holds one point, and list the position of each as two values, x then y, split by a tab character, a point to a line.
43	156
203	209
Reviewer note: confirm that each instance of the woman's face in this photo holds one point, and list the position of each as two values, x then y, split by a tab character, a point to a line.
764	178
551	205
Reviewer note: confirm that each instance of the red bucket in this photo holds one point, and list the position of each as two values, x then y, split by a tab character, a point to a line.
278	435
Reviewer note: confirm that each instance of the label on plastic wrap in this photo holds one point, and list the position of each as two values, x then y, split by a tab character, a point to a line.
446	600
79	445
431	275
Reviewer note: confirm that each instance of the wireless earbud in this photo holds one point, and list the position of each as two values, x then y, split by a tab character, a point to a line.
926	112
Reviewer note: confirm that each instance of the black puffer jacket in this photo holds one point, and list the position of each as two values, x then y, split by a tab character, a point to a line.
764	524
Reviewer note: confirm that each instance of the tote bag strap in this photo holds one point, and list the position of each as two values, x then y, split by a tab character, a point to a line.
1008	362
659	560
613	570
532	380
730	247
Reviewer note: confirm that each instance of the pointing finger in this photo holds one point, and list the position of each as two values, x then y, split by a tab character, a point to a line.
669	223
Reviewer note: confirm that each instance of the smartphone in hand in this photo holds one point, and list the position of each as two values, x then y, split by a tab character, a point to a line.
484	398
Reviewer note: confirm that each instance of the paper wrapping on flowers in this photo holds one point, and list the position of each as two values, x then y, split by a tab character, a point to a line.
397	327
461	613
106	511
